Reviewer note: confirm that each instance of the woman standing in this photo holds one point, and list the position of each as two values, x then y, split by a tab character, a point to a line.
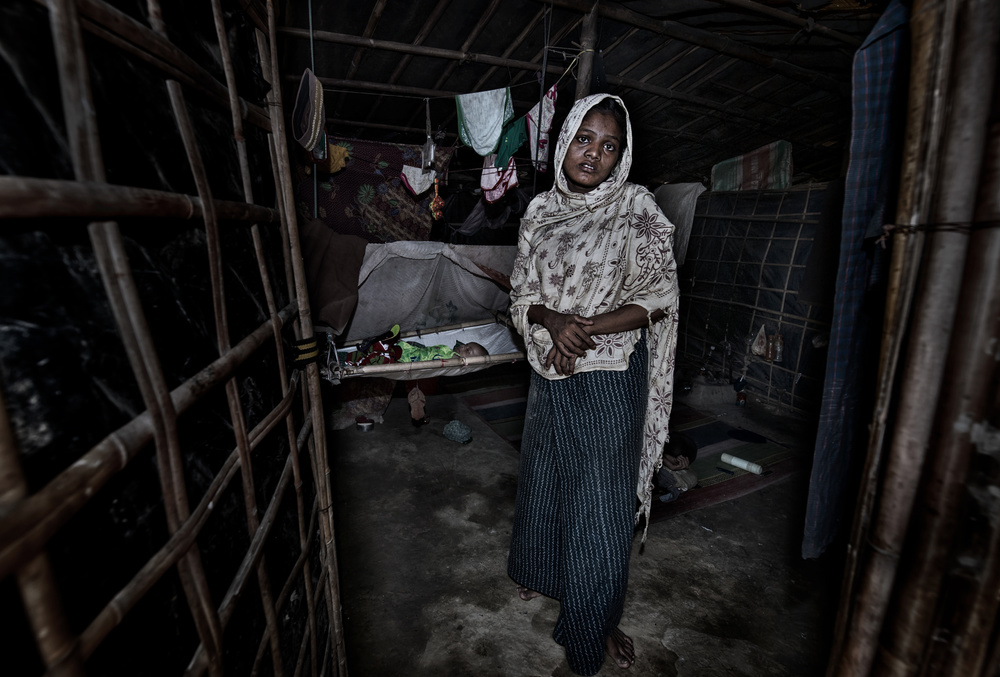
595	297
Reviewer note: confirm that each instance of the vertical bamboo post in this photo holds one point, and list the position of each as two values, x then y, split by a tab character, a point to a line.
321	461
973	428
56	644
965	392
88	165
588	42
929	67
930	336
272	309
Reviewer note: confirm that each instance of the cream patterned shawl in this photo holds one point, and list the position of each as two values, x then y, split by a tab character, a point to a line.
592	253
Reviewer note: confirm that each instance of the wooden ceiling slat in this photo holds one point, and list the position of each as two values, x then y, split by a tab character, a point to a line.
522	36
425	31
649	54
726	63
553	40
524	66
373	20
473	34
708	40
808	25
618	41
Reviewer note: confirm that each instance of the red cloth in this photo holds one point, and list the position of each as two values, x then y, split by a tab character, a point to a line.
368	198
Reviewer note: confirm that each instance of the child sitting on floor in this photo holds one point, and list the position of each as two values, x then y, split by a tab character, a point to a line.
676	475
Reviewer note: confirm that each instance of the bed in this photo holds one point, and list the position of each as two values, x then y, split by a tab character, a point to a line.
437	293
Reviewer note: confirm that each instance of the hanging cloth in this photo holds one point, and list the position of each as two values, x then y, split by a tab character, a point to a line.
338	157
538	125
495	182
481	117
309	113
416	179
513	137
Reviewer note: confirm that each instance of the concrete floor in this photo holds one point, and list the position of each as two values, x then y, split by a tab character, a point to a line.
423	530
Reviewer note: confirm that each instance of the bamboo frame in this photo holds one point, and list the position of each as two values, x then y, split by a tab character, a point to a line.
37	198
461	56
769	387
410	367
28	521
954	48
708	40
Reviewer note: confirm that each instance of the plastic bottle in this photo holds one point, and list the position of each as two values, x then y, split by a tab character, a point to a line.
779	348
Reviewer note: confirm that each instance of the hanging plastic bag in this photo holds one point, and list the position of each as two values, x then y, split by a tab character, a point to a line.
759	346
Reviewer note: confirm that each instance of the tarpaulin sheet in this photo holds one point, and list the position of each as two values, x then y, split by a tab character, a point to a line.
768	167
423	285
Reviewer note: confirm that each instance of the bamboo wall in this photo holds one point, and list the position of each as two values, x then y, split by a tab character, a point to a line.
744	266
164	486
921	589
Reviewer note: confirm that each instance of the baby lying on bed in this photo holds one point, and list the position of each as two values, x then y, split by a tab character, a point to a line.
389	352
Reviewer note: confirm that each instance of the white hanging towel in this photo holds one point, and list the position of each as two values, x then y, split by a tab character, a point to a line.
417	180
481	117
538	129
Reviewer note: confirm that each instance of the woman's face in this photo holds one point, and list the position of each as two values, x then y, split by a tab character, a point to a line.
593	152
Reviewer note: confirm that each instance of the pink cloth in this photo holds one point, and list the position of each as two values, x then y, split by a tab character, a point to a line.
495	182
538	129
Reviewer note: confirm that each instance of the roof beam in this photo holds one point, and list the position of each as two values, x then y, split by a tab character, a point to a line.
808	24
709	40
425	30
455	55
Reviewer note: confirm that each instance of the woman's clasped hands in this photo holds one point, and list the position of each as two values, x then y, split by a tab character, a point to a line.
570	340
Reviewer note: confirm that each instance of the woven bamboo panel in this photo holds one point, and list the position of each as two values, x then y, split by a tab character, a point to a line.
745	262
164	486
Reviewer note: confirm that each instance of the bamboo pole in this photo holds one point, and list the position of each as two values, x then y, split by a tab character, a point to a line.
179	106
293	449
301	564
972	590
929	67
934	314
42	605
965	391
158	51
22	197
249	565
452	363
320	460
28	525
179	542
588	42
708	40
128	313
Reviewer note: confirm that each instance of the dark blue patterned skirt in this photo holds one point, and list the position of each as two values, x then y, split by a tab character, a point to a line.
573	519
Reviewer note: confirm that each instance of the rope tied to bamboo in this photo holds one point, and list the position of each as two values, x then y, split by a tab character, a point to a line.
889	229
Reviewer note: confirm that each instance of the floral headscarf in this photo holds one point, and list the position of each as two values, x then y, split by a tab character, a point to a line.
592	253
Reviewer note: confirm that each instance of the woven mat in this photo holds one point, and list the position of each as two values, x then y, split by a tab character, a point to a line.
503	410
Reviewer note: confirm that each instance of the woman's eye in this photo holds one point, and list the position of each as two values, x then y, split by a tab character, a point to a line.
582	139
610	147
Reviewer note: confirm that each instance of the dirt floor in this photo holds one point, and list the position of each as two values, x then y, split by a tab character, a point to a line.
423	530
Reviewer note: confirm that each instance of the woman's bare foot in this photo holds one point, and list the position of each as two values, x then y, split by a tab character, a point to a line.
527	593
619	647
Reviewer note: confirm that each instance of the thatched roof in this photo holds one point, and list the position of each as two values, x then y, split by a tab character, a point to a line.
705	80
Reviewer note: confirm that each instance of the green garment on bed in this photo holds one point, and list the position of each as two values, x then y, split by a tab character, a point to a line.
416	352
